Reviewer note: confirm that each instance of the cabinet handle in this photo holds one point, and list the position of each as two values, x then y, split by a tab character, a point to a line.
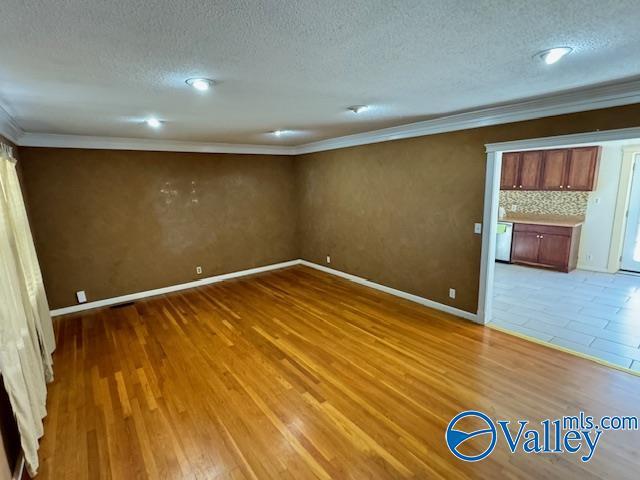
520	186
568	186
541	236
537	236
514	186
561	186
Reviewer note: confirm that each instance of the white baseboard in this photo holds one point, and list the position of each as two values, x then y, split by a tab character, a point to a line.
219	278
591	268
398	293
173	288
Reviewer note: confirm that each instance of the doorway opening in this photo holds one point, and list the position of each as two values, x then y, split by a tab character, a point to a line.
561	233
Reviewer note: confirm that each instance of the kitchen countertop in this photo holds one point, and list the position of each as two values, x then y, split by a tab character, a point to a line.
552	220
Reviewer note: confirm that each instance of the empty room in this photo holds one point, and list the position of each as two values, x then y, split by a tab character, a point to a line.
319	239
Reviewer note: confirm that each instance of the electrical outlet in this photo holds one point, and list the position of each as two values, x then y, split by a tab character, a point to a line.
589	257
452	293
477	228
514	208
81	296
199	270
328	259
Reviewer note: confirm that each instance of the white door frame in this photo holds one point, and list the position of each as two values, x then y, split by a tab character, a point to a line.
632	212
491	197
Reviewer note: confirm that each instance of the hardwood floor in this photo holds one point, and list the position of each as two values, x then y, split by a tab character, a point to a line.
297	374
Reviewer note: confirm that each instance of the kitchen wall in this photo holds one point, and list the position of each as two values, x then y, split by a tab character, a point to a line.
401	213
595	242
545	203
116	222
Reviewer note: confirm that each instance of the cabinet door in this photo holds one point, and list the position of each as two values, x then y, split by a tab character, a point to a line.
525	247
530	170
583	165
554	250
554	169
510	169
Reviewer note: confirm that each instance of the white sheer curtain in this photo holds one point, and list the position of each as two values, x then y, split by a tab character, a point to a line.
26	331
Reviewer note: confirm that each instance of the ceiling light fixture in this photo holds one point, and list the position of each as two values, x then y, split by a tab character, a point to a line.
200	84
279	133
553	55
153	122
358	108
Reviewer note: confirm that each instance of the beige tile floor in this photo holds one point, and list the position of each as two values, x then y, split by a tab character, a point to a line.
597	314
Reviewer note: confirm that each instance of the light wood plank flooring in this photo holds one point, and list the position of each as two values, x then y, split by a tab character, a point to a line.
297	374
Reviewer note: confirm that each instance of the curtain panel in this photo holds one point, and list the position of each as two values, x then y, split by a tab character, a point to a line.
26	331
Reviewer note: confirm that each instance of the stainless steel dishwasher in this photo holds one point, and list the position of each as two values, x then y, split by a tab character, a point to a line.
504	238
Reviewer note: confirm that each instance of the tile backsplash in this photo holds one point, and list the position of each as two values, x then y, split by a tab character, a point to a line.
545	203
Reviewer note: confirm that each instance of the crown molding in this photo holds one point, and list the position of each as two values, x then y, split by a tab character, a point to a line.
9	129
122	143
593	98
570	140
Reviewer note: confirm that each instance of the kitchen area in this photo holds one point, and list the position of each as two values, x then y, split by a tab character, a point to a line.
555	281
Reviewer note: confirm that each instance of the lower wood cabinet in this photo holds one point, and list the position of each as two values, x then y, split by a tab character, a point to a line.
546	246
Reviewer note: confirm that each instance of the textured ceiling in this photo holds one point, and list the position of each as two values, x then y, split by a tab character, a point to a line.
96	67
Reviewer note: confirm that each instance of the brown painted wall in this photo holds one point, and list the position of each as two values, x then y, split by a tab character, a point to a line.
401	213
118	222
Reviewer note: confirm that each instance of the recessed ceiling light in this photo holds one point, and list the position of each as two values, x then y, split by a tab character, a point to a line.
553	55
279	133
153	122
200	84
358	108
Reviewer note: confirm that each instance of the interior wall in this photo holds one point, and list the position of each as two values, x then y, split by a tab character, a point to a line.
401	213
595	241
117	222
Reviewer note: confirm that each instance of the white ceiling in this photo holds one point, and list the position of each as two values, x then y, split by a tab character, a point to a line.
96	67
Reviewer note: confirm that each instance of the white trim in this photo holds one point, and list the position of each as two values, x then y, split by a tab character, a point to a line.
489	232
173	288
589	268
8	127
148	144
492	185
398	293
219	278
591	98
566	140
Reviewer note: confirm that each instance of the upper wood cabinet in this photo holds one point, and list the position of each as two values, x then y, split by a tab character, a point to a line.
572	169
582	169
554	169
530	169
510	171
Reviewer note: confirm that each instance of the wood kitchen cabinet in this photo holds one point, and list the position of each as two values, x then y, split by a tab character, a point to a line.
510	171
521	170
554	169
546	246
567	169
530	170
582	168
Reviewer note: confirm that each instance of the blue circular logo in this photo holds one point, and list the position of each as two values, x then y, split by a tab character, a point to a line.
455	438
